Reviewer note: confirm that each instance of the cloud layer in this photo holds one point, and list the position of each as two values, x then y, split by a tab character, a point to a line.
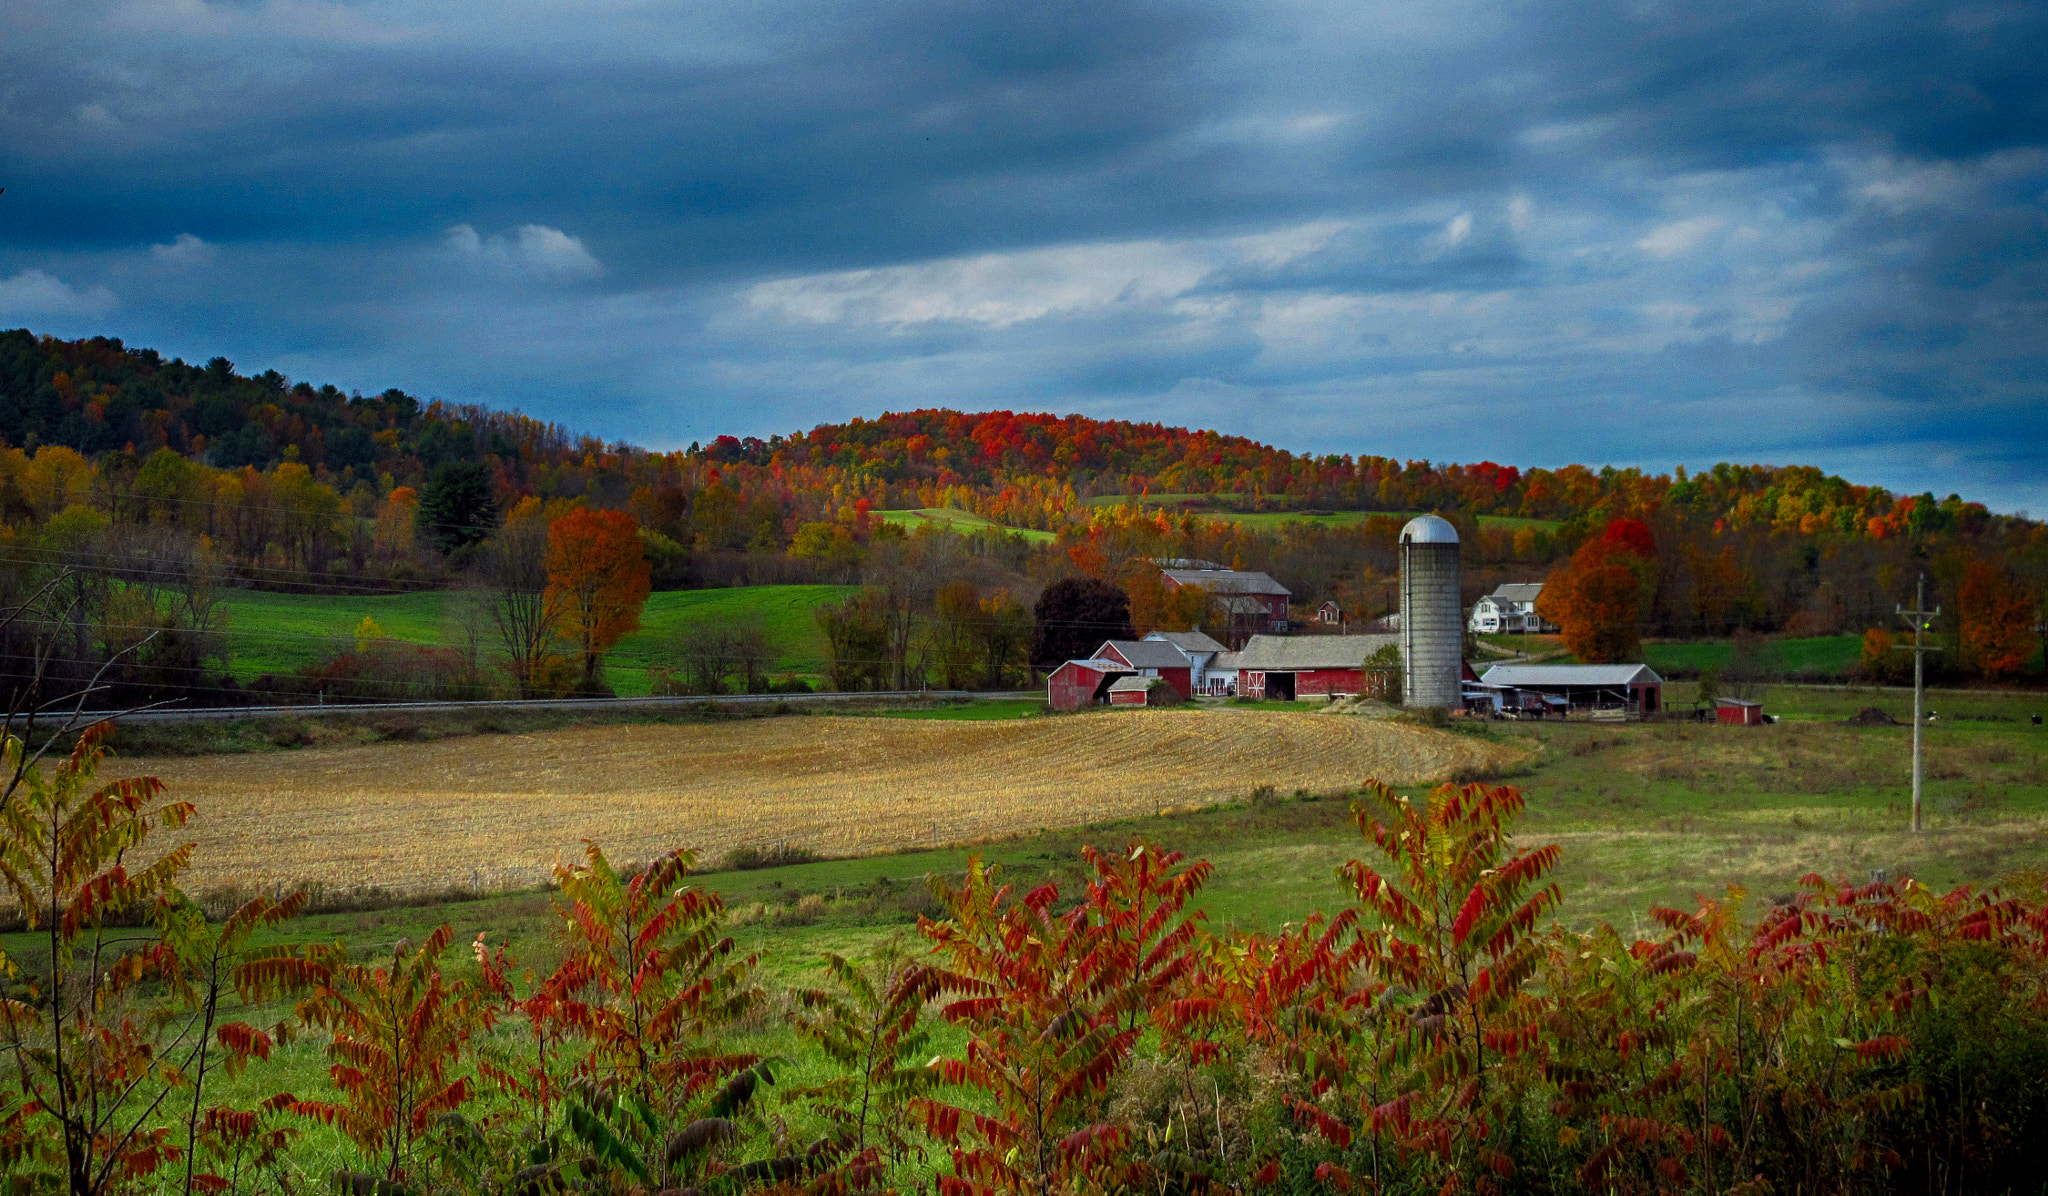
1602	232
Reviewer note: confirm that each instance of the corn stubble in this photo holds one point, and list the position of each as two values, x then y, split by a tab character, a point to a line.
407	816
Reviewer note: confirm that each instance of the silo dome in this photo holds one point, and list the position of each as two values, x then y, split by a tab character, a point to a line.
1429	529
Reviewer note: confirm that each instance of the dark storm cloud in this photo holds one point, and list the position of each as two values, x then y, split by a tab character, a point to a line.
1633	232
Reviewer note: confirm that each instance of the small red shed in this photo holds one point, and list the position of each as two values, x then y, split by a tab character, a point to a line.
1130	691
1738	712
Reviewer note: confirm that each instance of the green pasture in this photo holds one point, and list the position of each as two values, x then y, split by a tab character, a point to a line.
1821	656
959	521
1274	520
281	633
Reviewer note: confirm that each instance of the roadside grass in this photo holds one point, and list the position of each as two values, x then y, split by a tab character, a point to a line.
282	633
955	520
354	726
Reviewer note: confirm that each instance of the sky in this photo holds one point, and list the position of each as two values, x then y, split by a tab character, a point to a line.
1642	233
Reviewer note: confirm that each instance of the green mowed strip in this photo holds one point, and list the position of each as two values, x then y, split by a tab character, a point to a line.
282	633
1273	520
959	521
1812	656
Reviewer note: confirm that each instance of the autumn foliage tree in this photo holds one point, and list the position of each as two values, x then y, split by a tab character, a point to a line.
1996	621
1602	594
598	579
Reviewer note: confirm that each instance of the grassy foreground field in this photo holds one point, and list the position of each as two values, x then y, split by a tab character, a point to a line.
281	633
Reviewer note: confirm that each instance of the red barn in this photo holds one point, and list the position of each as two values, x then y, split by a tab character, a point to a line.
1284	669
1153	658
1079	683
1251	603
1737	712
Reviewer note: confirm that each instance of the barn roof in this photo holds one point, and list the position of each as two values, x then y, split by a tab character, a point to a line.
1227	581
1146	654
1124	685
1285	653
1187	641
1099	665
1535	676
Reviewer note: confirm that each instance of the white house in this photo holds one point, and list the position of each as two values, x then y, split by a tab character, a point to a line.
1510	609
1205	673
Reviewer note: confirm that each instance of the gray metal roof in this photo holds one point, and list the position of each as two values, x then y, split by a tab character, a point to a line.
1539	675
1429	529
1099	665
1147	654
1518	591
1239	604
1187	641
1227	581
1285	653
1224	662
1127	684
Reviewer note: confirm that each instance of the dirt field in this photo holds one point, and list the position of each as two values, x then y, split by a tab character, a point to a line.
498	809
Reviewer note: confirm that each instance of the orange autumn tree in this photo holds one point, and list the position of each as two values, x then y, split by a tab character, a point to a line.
598	579
1600	596
1997	623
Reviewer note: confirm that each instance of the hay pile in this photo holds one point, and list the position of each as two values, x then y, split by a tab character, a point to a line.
1870	716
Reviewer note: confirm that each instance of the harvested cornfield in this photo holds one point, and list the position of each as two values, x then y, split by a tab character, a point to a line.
430	815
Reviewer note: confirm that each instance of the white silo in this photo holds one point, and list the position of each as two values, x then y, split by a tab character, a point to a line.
1432	614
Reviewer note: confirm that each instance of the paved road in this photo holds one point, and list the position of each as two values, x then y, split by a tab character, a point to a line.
175	714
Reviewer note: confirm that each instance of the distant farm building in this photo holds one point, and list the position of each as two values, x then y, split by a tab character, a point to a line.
1286	669
1153	658
1566	688
1738	712
1206	675
1510	609
1249	603
1330	612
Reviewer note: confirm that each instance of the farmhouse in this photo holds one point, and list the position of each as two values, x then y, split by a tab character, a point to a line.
1512	609
1634	688
1079	683
1206	675
1283	668
1152	658
1253	603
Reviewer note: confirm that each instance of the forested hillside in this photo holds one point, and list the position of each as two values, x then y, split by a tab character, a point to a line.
128	468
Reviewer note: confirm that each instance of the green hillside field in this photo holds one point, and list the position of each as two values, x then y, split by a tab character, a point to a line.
282	633
1272	520
958	521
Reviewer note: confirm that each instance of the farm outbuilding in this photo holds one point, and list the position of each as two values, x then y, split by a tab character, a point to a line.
1153	658
1079	683
1634	688
1287	668
1738	712
1130	691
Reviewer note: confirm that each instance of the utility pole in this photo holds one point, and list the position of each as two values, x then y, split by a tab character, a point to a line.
1919	618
